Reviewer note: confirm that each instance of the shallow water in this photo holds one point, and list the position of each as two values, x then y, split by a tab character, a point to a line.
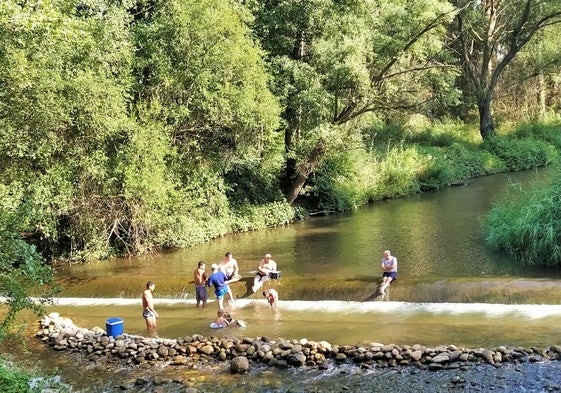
451	288
435	236
470	325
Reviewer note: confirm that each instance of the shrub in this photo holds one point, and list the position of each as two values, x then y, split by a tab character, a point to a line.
519	154
527	226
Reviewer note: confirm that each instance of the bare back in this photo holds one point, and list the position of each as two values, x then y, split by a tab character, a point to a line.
147	300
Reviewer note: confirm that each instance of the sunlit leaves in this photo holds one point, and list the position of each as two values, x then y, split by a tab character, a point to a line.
199	61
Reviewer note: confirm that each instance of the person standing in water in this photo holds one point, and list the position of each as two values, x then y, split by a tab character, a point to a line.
200	277
220	281
389	269
148	311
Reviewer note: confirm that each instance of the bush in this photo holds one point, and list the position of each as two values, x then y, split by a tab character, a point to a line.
250	217
527	226
26	282
343	181
520	154
14	380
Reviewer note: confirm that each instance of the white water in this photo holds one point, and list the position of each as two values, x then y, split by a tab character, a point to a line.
529	311
470	325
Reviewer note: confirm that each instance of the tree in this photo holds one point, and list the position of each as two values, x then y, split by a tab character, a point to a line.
335	62
65	72
487	35
26	282
203	77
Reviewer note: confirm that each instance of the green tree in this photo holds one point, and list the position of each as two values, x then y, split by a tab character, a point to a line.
529	89
202	76
336	62
65	72
487	35
26	282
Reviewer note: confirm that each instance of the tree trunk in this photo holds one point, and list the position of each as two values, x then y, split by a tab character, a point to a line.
486	126
305	169
542	91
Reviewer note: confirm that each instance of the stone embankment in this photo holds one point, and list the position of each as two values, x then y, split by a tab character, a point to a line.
62	335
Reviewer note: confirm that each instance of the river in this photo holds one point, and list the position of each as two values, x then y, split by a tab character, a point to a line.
451	289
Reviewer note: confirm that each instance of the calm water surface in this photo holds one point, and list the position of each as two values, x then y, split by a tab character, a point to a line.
330	269
435	236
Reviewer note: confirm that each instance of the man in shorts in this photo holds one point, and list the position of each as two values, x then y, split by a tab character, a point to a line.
220	282
200	277
265	268
389	268
148	311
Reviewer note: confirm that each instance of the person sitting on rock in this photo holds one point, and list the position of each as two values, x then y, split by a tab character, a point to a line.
265	268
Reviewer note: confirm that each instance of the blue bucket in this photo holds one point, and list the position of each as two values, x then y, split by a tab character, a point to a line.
114	326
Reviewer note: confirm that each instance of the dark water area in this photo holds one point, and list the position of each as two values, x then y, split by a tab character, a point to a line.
451	288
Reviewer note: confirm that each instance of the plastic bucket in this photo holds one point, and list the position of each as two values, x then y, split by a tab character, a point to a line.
114	326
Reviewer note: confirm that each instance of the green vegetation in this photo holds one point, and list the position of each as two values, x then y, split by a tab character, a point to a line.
26	282
527	225
134	126
14	380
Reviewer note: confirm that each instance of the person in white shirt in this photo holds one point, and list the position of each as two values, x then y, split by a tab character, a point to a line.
265	268
389	268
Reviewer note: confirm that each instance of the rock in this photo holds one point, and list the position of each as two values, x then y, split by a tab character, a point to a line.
435	366
207	350
163	351
140	381
416	355
441	358
297	360
239	365
340	357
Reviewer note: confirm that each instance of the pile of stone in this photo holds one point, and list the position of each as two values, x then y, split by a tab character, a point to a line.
62	335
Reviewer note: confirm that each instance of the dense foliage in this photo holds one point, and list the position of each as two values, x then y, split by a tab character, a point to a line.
132	126
25	281
527	225
15	380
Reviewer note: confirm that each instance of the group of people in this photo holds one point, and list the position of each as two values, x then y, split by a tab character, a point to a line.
227	271
223	273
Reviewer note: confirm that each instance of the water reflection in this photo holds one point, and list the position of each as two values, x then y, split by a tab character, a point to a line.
451	289
434	236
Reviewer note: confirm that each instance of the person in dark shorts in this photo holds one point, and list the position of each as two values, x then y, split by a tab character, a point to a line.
389	268
200	277
148	311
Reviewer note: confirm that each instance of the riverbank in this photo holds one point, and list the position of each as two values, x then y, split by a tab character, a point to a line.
204	363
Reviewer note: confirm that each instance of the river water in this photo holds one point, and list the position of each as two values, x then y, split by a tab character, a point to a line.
451	289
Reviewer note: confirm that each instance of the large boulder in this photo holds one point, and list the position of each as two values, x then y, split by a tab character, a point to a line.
239	365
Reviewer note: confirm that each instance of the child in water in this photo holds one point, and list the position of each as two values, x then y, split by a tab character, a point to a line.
272	297
223	318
